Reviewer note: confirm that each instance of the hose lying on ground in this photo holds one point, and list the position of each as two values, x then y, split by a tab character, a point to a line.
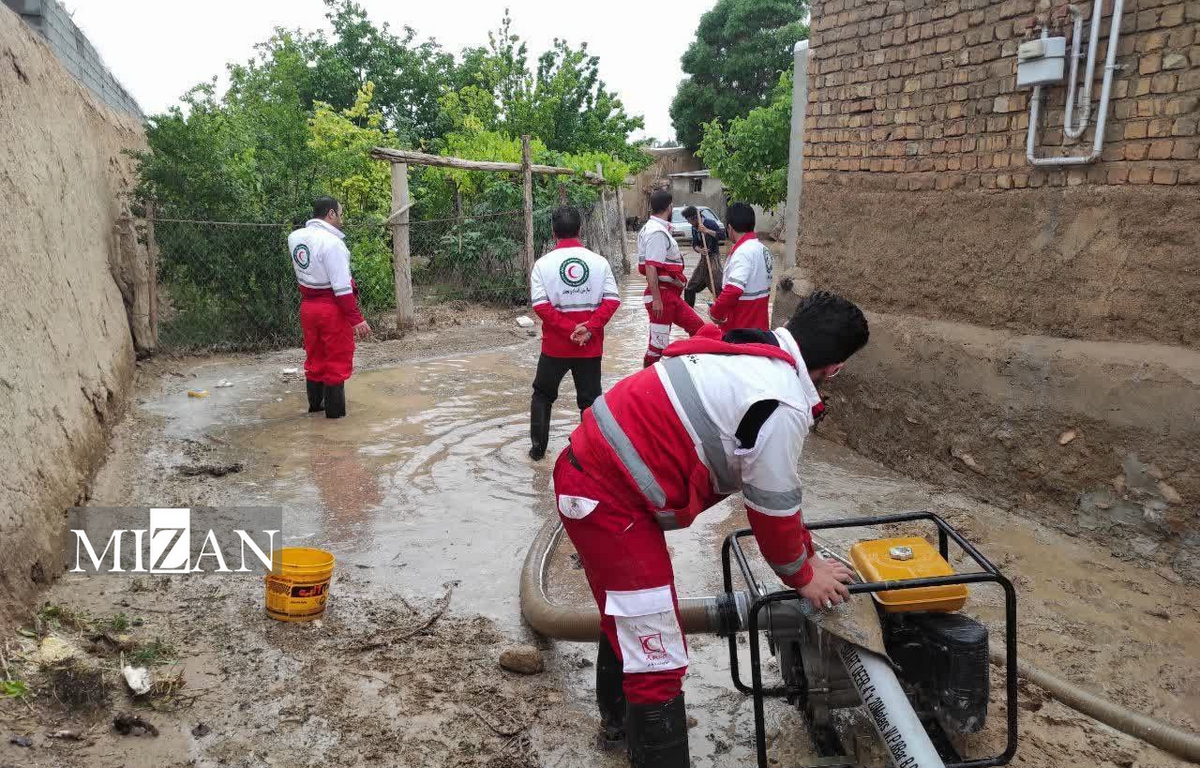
700	615
1166	737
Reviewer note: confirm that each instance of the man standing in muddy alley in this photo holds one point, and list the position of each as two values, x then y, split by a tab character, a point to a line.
329	314
661	262
574	292
706	241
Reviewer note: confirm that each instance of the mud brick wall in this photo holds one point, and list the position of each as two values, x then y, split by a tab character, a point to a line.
918	198
66	351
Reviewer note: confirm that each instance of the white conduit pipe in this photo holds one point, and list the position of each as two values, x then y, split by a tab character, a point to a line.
890	710
1110	66
1085	103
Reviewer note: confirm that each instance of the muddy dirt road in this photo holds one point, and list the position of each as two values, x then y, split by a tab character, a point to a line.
427	498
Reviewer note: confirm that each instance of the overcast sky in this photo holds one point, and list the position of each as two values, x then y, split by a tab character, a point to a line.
160	48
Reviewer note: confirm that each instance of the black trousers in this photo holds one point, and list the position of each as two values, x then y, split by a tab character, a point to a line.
550	372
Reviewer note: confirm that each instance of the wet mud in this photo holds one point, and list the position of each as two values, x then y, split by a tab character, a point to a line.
427	498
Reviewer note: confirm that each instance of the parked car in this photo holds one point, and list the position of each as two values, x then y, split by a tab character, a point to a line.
680	227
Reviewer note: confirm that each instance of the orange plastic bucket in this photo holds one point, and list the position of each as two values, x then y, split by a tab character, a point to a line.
299	586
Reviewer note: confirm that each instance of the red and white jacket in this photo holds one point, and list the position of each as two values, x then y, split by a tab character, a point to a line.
745	300
668	436
571	285
657	248
322	264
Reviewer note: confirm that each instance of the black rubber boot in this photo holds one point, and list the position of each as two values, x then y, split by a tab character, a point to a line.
610	696
539	427
335	401
689	296
316	395
657	734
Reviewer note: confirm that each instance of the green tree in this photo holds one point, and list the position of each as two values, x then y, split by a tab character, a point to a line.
298	120
563	101
751	156
409	75
741	48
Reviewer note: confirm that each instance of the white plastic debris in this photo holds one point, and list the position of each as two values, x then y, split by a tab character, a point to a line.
524	322
138	679
290	371
224	383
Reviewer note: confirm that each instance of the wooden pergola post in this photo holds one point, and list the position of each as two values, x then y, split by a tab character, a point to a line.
400	159
401	255
527	168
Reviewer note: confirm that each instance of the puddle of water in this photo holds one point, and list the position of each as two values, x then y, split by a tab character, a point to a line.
427	481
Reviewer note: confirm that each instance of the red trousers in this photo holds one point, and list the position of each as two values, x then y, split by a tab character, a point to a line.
624	554
675	311
328	342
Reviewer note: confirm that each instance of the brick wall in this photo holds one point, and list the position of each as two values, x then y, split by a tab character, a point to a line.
998	290
921	94
918	199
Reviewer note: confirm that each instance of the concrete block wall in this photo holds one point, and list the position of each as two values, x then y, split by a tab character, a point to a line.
921	94
78	56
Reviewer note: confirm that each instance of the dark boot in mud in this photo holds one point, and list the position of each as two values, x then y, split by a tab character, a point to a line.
610	697
316	395
539	426
335	401
657	734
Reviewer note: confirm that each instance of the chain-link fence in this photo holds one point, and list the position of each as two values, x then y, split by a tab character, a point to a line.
477	258
230	285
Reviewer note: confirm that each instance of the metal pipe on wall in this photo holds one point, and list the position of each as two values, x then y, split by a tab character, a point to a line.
1085	103
1110	66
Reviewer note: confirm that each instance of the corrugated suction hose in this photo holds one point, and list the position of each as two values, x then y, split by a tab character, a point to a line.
698	615
720	615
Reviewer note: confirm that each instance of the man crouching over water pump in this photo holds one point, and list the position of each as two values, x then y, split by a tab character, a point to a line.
718	414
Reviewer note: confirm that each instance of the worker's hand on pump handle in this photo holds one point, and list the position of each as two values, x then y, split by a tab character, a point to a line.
581	335
827	587
362	330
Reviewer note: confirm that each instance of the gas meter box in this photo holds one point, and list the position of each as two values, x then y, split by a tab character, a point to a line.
1041	61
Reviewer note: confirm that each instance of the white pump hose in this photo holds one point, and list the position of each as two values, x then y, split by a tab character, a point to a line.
891	712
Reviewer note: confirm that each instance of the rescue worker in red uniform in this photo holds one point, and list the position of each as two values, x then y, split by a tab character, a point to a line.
718	414
661	262
574	292
329	314
745	299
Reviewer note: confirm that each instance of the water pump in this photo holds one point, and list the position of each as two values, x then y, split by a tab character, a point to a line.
904	650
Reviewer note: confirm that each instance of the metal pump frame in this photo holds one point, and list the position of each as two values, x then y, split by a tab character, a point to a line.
946	532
